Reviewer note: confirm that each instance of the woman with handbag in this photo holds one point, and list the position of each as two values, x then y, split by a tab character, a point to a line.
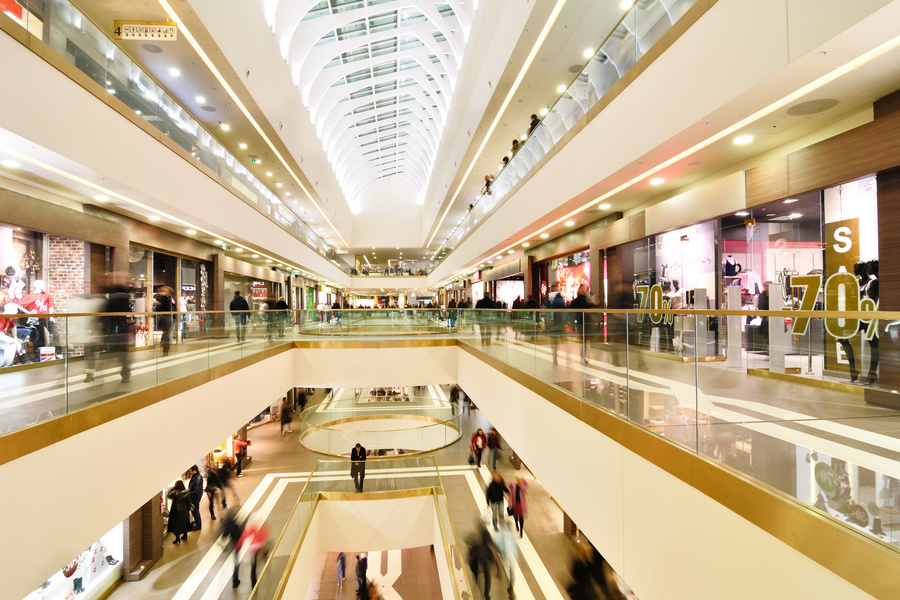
518	504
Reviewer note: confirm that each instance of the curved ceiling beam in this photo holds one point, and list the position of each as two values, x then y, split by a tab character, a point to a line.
320	56
337	94
351	140
327	78
419	102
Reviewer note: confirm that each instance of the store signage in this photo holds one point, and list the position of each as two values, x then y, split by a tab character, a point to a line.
652	298
160	31
11	7
826	477
841	294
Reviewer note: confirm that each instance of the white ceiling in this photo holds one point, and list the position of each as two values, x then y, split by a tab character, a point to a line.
377	78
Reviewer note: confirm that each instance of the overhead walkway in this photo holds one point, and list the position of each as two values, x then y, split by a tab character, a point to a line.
567	386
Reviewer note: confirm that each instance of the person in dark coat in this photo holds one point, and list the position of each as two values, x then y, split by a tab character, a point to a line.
482	555
282	316
493	443
238	303
358	466
214	489
362	565
119	328
232	530
195	487
179	512
164	306
483	319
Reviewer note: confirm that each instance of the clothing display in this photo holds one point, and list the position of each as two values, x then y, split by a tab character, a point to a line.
751	283
731	266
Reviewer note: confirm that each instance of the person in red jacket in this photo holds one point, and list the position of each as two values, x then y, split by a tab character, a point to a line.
240	451
478	444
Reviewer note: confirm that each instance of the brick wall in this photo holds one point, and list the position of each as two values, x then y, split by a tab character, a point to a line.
65	278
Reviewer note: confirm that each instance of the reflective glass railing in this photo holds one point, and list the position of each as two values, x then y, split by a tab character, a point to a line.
807	403
640	28
76	39
332	479
382	424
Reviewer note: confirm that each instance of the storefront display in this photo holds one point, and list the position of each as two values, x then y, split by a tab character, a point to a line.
564	275
508	290
89	575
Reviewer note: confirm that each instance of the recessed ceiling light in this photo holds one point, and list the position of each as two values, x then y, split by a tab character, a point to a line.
226	127
490	262
278	184
200	99
238	249
795	215
743	139
569	223
657	181
771	215
544	236
268	173
626	4
510	251
790	200
589	53
525	245
560	88
242	146
154	217
191	231
604	207
742	213
278	265
268	260
523	137
101	198
255	256
10	164
218	242
544	111
174	72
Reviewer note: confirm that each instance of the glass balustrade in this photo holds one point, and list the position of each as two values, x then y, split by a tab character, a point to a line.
640	28
76	39
801	402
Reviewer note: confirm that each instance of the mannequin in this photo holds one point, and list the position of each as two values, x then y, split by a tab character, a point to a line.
41	302
731	266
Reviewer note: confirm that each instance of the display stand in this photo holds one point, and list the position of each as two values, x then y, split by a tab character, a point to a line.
734	342
776	335
701	335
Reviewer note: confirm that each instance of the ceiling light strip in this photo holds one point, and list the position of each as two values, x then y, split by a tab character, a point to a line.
831	76
113	194
515	86
209	64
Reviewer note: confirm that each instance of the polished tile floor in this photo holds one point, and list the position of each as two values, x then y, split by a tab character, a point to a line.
201	569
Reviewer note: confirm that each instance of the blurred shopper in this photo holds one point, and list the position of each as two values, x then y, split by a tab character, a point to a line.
358	466
232	530
239	307
118	328
341	570
493	443
518	504
87	331
282	315
164	306
179	512
494	495
484	317
533	124
214	491
481	556
509	554
226	481
287	415
254	539
195	487
478	444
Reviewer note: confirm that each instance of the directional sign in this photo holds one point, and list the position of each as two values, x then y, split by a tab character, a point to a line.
160	31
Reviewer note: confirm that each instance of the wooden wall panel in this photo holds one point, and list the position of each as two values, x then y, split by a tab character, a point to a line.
767	182
867	149
887	105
